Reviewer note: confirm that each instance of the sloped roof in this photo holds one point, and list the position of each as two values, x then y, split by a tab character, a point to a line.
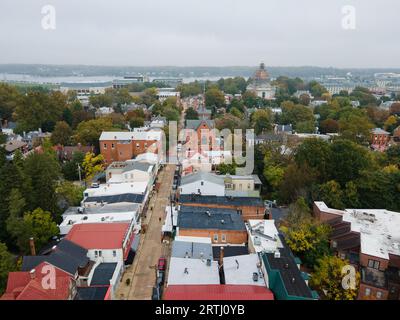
103	274
91	293
67	256
87	235
202	176
217	292
194	124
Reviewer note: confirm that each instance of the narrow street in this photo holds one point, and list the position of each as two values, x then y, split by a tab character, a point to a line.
142	273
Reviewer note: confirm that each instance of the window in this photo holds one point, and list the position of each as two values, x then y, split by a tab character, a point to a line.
105	146
114	253
367	291
112	146
373	264
137	145
379	295
96	254
202	183
215	238
99	253
223	237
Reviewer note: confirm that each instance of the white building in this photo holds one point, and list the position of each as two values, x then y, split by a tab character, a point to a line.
186	271
131	172
263	236
260	84
243	270
202	183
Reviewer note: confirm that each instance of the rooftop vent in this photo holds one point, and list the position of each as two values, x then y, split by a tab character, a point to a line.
293	280
208	262
255	276
277	254
208	213
222	221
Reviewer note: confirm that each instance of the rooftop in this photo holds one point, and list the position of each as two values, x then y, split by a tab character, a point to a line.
110	189
28	285
103	274
192	247
66	255
209	218
380	131
192	271
194	124
240	270
87	235
107	209
220	200
284	269
229	251
92	293
150	135
217	292
119	198
202	176
131	165
379	229
264	235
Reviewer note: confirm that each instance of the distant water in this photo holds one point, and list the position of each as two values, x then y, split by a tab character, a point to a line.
8	77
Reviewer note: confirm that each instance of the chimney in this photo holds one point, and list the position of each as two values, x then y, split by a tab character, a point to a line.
32	246
32	274
221	257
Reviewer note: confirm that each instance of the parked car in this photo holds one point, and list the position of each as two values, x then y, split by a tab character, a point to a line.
162	264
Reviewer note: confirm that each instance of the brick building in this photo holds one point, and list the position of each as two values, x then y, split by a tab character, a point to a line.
122	146
223	226
370	240
379	139
247	207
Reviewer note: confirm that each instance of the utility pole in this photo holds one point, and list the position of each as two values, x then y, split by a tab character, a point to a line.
79	172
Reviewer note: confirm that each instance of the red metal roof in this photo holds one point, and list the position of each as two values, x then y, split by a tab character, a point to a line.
20	285
217	292
98	235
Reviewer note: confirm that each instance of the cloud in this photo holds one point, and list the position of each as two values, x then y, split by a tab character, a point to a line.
201	32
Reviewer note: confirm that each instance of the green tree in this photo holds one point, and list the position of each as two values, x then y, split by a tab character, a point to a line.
355	127
10	98
38	224
315	153
214	97
191	114
70	194
136	123
328	277
261	120
332	194
7	264
88	132
62	134
42	172
70	168
346	161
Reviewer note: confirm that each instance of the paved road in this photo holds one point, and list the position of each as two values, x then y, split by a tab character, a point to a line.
142	273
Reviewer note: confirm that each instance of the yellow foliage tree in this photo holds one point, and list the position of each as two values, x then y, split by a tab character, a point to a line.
92	165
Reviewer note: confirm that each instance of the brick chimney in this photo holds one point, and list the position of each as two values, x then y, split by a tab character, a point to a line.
32	246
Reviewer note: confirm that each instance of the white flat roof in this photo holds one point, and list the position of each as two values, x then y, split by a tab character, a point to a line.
97	218
112	208
197	272
379	230
110	189
270	242
239	270
131	135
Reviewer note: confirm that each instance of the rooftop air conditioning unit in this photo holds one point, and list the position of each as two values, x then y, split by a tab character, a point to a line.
257	241
208	263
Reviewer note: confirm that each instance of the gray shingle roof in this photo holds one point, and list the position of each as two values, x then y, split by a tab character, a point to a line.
194	124
209	218
103	274
67	256
202	176
126	197
187	199
194	250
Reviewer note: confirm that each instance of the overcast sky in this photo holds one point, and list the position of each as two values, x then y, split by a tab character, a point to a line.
201	33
